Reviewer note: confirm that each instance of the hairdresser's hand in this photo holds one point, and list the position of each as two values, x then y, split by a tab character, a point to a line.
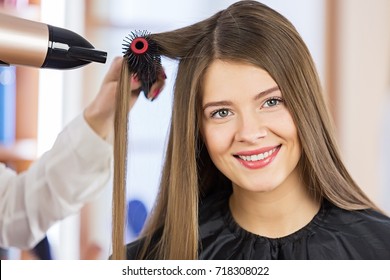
100	113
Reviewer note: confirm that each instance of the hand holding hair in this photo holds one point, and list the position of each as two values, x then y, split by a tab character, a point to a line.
100	113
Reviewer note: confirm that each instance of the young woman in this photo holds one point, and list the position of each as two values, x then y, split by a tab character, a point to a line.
251	169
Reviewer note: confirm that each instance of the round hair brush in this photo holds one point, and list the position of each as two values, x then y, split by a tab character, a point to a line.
142	58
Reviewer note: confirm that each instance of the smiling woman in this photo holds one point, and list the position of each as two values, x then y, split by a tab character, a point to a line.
252	139
252	170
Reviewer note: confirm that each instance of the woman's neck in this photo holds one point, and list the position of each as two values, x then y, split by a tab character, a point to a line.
276	213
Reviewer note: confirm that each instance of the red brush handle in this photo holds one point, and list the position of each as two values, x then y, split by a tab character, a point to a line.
139	45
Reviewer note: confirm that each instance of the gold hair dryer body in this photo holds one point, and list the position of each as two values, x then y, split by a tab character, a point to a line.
35	44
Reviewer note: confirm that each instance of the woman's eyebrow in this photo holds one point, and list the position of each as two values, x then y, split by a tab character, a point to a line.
228	103
216	104
265	92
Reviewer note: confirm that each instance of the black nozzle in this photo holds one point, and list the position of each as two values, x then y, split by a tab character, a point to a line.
87	54
69	50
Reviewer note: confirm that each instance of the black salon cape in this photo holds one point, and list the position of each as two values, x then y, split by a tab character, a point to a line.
332	234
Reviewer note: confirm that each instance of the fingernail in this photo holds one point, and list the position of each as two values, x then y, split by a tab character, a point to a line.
163	75
155	94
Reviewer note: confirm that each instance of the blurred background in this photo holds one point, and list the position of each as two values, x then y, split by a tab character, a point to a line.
349	41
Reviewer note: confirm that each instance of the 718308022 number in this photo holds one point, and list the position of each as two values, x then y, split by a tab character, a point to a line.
242	270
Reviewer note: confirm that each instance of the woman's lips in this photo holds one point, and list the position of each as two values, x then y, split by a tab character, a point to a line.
258	158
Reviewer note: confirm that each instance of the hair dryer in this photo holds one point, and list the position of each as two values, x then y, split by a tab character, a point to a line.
30	43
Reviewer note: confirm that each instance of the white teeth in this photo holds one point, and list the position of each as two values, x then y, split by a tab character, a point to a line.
259	156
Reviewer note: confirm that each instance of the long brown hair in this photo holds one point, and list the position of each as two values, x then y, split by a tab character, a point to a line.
247	32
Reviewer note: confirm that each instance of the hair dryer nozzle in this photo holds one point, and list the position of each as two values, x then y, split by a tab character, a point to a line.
68	49
87	54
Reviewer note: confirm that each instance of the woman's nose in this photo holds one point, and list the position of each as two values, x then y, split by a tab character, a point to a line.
250	129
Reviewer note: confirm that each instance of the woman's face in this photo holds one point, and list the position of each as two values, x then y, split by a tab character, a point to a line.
247	129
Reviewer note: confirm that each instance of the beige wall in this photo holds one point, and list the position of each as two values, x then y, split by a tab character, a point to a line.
363	70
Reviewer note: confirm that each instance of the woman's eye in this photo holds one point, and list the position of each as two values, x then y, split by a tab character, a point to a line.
272	102
221	113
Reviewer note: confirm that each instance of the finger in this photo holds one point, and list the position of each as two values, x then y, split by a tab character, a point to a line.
157	87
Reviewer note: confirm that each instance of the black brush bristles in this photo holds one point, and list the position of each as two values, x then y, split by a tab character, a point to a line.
143	58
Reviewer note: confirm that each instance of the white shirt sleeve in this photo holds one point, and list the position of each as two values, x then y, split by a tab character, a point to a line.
73	172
